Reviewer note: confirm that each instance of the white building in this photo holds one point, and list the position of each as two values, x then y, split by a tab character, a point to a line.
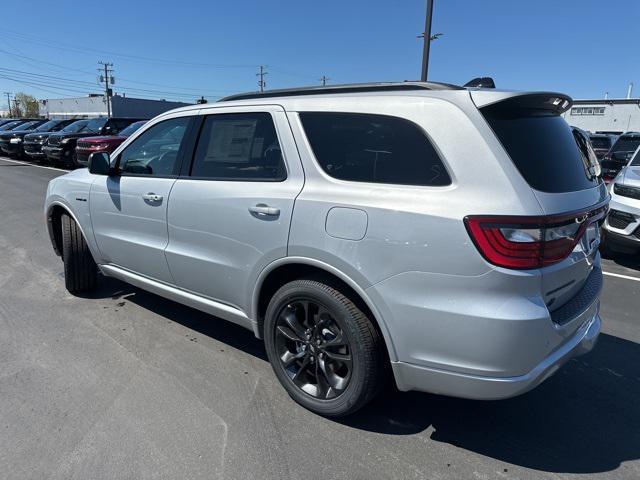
618	115
95	106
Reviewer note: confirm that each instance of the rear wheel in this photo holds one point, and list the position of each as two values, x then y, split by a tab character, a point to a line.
79	267
324	350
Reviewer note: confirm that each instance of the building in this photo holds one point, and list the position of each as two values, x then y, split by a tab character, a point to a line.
618	115
94	105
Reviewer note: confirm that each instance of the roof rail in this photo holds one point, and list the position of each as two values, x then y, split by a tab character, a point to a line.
345	88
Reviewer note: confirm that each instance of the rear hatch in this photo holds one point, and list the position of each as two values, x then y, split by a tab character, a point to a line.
563	174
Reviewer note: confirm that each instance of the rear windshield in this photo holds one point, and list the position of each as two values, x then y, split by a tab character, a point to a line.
601	142
626	143
542	147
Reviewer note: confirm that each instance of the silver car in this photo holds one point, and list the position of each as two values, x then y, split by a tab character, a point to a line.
622	226
439	237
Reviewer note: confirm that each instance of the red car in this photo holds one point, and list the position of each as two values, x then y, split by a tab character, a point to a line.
107	143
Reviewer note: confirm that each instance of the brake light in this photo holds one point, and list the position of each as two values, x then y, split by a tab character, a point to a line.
529	242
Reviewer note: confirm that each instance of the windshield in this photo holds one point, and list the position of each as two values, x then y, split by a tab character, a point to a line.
76	126
25	126
45	127
626	143
9	126
601	142
131	128
635	161
95	125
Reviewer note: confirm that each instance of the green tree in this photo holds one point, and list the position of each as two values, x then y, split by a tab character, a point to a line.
27	105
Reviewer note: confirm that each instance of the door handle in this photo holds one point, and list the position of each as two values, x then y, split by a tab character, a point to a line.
152	197
263	209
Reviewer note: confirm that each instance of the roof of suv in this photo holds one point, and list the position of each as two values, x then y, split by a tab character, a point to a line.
344	88
289	98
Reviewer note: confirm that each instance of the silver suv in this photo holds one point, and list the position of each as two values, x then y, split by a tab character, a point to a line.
443	237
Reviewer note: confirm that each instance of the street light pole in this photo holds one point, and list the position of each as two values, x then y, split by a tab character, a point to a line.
427	41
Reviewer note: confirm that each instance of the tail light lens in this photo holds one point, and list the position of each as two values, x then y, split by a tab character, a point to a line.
529	242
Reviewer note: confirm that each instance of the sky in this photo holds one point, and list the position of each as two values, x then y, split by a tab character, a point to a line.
183	49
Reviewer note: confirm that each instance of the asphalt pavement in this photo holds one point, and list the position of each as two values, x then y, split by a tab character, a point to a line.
124	384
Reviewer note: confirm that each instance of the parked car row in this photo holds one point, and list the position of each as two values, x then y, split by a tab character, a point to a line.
56	141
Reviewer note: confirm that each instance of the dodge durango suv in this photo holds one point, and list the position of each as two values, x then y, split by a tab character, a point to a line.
441	237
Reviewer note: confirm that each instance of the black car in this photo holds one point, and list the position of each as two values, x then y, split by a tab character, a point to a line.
61	147
15	146
7	136
34	142
619	154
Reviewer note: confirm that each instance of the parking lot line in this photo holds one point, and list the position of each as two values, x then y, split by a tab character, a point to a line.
627	277
32	165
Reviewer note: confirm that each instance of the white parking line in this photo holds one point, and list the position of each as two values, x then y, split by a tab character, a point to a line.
32	165
626	277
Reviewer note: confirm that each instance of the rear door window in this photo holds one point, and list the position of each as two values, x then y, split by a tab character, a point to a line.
373	148
240	147
542	147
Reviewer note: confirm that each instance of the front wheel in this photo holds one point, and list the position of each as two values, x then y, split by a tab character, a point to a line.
80	269
324	350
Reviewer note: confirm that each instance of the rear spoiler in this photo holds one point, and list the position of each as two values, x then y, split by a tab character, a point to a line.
552	101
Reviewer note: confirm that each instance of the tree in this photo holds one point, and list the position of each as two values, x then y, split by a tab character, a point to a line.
25	105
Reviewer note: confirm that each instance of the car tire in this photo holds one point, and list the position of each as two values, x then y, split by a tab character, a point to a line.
80	269
328	355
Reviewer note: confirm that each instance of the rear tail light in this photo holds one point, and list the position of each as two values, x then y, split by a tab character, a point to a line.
529	242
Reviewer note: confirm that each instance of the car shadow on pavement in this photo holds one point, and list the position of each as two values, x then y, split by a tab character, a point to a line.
585	419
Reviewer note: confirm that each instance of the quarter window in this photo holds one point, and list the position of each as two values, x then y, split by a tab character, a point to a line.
373	148
239	146
155	151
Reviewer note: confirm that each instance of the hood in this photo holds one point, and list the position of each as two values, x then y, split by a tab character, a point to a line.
19	134
631	176
37	135
104	139
74	134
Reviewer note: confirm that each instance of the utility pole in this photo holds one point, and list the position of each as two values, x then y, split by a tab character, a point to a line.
107	78
261	82
16	108
8	101
427	41
324	79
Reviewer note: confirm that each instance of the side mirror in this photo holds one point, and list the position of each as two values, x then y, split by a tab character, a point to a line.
100	163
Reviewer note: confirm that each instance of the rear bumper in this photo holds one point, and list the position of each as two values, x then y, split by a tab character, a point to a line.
414	377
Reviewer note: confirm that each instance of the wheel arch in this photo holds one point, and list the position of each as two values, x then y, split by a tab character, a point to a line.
54	224
288	269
